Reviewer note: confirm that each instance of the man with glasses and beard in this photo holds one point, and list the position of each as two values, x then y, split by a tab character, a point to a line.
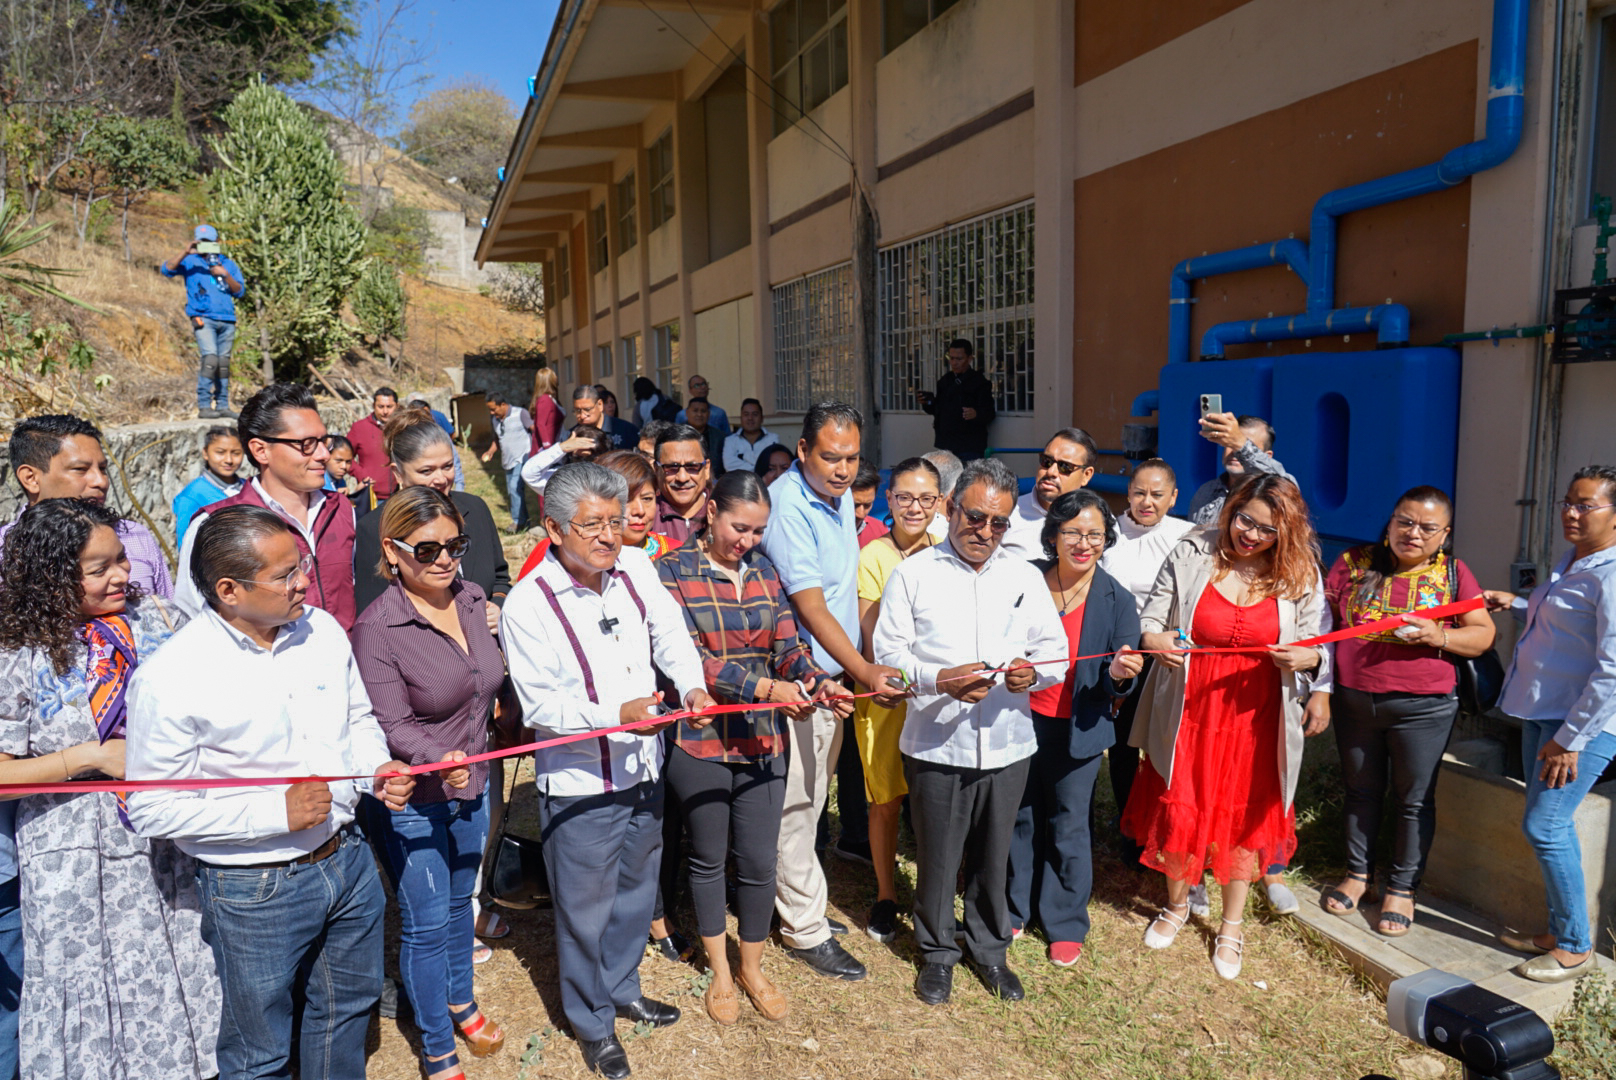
1065	464
586	634
282	432
948	613
681	458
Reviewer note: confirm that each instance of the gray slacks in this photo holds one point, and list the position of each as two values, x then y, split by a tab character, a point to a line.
967	816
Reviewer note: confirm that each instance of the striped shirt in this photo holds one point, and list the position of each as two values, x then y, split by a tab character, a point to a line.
744	637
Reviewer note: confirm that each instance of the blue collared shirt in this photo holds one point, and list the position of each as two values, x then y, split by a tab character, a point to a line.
814	545
1565	662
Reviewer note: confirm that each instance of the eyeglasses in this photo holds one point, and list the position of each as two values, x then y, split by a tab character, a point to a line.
1246	523
1584	509
305	447
903	500
975	519
427	551
589	530
691	467
1066	467
1072	538
288	580
1403	524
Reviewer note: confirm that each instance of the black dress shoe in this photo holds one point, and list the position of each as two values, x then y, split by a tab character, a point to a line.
606	1056
1001	981
832	961
647	1011
675	948
934	983
837	928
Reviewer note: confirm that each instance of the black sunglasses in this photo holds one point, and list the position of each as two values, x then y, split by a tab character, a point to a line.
427	551
1066	467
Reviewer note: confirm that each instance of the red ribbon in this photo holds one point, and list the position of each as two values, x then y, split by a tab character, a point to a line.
74	787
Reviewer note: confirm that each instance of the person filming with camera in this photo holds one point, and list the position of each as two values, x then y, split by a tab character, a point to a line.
213	284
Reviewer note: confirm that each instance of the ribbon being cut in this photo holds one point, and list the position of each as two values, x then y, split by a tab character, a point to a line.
68	787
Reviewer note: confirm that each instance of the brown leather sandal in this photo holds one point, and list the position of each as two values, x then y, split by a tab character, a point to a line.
483	1036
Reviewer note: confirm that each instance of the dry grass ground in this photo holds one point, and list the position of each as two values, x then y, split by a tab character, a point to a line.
1123	1013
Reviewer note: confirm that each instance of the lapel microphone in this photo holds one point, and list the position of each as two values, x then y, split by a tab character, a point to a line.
606	625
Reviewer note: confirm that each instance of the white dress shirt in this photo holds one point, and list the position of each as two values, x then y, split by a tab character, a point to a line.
741	454
939	612
1137	556
213	703
558	699
1025	538
537	470
186	594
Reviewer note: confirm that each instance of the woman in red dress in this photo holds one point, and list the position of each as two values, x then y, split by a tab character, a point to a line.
1223	731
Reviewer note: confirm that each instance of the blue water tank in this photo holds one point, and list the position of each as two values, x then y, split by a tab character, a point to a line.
1247	387
1359	429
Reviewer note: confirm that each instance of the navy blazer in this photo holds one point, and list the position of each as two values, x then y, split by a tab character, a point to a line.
1110	621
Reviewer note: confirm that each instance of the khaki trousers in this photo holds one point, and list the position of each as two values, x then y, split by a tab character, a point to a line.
800	891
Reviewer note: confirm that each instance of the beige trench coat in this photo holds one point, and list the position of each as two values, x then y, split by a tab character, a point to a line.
1183	577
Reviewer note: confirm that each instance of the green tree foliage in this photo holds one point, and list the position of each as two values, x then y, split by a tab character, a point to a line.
279	203
399	236
137	157
379	304
463	130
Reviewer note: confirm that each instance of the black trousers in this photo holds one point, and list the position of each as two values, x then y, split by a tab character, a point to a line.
1400	739
730	806
1051	855
963	816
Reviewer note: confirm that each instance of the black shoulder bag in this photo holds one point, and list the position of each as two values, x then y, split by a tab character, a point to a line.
1481	678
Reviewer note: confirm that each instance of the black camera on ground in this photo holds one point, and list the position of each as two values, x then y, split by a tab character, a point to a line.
1493	1037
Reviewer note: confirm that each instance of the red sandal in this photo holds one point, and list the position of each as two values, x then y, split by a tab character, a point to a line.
483	1036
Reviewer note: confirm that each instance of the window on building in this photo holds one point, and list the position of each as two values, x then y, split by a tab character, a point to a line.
667	360
632	360
627	236
972	280
813	339
808	50
564	375
564	271
661	174
1602	159
603	362
601	256
903	19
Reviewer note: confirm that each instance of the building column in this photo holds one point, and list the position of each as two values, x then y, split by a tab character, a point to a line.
1055	212
863	51
760	129
688	224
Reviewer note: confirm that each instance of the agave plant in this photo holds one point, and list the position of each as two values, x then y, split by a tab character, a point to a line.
16	270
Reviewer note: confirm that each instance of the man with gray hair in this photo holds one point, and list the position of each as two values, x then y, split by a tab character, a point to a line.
953	618
948	466
582	633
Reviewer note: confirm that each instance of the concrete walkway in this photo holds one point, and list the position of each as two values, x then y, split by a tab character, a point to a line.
1444	936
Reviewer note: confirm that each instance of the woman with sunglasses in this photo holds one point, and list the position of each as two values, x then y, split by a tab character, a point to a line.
913	497
1561	689
1051	856
432	671
1394	701
1223	731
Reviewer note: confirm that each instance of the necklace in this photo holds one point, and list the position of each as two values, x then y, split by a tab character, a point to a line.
1063	602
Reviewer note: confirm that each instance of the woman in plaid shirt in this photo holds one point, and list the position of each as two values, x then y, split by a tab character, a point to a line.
729	775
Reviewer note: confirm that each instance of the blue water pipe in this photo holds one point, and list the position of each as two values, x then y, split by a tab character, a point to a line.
1314	262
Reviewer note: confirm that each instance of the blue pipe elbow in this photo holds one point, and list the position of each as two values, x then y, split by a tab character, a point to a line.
1290	252
1146	403
1390	321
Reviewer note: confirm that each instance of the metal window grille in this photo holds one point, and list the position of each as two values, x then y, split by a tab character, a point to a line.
972	280
813	339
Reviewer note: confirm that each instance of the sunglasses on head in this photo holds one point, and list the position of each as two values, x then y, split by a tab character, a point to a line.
427	551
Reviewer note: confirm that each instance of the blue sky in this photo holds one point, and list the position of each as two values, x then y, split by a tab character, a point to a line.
500	40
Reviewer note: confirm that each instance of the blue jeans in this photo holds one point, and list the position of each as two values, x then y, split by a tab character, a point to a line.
318	927
516	492
213	340
435	850
10	974
1550	828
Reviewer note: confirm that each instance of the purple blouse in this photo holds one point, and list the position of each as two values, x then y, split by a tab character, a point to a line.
428	695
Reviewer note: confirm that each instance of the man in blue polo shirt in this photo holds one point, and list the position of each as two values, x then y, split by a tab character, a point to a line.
812	541
213	284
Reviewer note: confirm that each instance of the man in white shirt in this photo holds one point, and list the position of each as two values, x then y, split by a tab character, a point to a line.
581	633
261	685
741	449
948	612
1066	463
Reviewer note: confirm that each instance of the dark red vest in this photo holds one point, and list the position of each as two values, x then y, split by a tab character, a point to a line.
331	587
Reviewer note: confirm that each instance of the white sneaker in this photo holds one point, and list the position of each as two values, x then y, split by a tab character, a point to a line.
1199	906
1281	899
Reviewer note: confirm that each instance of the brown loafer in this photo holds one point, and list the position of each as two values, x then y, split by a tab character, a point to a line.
722	1005
767	1000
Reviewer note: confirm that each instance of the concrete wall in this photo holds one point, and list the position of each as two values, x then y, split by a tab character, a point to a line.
724	342
451	256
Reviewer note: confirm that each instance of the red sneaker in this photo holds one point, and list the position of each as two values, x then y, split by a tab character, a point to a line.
1065	953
